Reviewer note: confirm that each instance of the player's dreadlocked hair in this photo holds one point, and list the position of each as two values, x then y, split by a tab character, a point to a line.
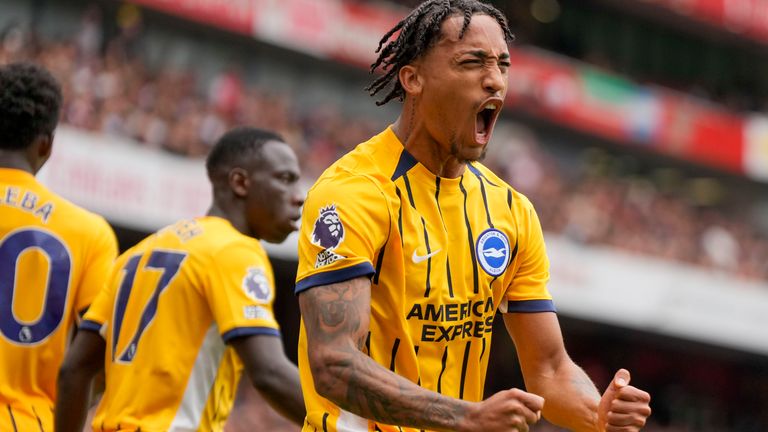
419	31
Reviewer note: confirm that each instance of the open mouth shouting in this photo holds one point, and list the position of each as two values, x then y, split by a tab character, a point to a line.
485	119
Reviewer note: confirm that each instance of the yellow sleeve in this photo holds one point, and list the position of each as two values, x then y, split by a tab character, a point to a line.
528	290
345	222
101	256
241	292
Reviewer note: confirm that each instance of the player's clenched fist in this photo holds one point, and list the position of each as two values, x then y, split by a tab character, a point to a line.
623	407
508	410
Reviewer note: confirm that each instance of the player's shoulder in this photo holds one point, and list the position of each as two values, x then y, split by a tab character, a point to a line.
216	237
480	170
514	198
68	216
24	194
366	169
205	241
375	159
228	249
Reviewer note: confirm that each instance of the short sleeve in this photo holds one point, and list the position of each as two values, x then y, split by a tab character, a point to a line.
241	291
345	222
527	291
98	266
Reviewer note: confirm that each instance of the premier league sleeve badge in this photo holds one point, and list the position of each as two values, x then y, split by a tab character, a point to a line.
328	233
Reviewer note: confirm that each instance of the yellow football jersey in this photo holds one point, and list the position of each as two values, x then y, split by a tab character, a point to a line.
172	302
54	258
444	255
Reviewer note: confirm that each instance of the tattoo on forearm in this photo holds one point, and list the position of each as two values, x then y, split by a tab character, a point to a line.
376	392
339	311
585	385
336	318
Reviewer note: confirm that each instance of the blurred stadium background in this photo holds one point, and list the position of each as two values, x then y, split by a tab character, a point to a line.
638	128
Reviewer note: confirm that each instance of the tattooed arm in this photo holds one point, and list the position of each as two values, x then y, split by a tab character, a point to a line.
573	401
336	319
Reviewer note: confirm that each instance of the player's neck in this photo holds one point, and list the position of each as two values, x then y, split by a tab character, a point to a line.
15	160
238	223
422	146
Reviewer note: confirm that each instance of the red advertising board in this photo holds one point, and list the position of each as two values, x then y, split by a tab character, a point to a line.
232	15
746	17
346	31
703	133
603	104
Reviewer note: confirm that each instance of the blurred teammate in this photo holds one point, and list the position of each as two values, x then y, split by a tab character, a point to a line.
188	306
54	256
409	247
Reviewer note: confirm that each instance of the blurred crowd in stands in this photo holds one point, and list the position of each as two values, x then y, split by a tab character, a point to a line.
109	89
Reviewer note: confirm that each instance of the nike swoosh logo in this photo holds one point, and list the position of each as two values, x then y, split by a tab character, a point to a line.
416	258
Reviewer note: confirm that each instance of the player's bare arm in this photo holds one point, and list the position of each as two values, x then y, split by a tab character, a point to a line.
336	318
84	360
573	401
272	374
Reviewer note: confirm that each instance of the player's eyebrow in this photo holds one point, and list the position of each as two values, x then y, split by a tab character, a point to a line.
483	54
291	174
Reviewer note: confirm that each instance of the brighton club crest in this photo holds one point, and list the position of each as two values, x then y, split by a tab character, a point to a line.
492	250
328	233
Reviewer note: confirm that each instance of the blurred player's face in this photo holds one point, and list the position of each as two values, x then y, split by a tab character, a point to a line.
464	82
274	200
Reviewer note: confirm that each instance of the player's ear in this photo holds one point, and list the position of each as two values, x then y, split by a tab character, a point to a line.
410	79
40	150
239	182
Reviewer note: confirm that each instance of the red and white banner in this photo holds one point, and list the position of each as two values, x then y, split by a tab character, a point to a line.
127	183
746	17
701	132
756	147
348	32
232	15
603	104
337	29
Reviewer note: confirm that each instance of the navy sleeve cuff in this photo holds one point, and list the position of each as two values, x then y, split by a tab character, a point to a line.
90	326
529	306
335	276
249	331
